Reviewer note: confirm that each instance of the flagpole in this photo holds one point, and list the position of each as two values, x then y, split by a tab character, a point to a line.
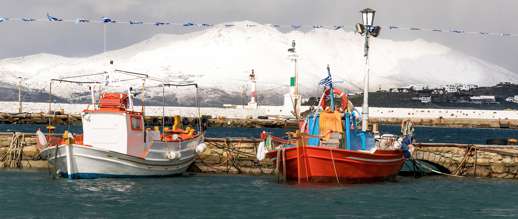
104	38
331	90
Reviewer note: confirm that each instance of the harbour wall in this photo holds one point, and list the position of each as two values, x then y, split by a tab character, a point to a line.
491	161
237	156
278	115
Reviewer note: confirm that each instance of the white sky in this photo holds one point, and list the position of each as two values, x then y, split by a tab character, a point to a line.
18	39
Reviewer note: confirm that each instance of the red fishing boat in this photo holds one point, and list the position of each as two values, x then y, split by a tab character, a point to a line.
328	146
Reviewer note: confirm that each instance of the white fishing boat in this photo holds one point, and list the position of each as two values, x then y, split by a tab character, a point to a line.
115	143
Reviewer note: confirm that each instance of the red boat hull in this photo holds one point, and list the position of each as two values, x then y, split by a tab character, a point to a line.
327	164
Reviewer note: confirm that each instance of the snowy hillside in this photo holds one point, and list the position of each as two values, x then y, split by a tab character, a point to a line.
221	58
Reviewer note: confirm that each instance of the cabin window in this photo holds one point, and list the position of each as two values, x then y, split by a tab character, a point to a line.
136	122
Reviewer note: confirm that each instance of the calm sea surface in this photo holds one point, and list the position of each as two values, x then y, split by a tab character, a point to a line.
27	194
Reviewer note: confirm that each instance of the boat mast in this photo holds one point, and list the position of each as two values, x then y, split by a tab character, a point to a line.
20	106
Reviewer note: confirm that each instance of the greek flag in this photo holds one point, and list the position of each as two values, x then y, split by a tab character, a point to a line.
327	81
51	18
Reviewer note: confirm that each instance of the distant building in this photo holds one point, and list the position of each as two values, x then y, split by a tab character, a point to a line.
512	99
423	99
468	87
483	99
417	87
453	88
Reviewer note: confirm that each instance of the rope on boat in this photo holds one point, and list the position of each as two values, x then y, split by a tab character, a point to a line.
14	155
334	167
284	164
277	165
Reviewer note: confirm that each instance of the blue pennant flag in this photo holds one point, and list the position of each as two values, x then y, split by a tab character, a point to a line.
393	27
26	19
136	22
206	25
327	81
276	25
457	31
338	27
250	25
82	20
107	20
51	18
188	24
229	25
160	23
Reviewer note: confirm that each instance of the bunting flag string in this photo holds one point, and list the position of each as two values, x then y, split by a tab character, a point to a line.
108	20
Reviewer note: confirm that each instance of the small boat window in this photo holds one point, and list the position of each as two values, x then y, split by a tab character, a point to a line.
136	122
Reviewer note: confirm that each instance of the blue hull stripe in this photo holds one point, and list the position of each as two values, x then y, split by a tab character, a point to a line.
102	175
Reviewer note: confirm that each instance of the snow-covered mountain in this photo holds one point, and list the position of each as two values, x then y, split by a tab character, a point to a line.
221	58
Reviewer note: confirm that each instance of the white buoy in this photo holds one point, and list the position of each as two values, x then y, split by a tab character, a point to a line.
261	151
200	148
171	155
41	138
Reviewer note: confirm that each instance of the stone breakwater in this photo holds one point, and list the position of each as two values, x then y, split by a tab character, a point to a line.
494	161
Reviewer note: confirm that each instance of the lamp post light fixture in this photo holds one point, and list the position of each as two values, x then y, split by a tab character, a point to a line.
367	29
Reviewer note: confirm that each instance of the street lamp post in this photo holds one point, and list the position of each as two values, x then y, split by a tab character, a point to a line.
367	29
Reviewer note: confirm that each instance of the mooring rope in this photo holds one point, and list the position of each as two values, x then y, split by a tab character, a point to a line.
434	171
334	167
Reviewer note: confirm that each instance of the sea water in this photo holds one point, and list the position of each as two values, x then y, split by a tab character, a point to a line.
35	194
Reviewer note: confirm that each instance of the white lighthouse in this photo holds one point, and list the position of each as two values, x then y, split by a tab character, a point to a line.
292	100
253	93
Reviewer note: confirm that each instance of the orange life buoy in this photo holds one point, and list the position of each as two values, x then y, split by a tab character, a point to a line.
337	93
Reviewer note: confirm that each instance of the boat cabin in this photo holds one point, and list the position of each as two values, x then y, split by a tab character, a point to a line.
114	126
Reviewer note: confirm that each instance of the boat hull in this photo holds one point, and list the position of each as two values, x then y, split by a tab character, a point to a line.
327	164
91	162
